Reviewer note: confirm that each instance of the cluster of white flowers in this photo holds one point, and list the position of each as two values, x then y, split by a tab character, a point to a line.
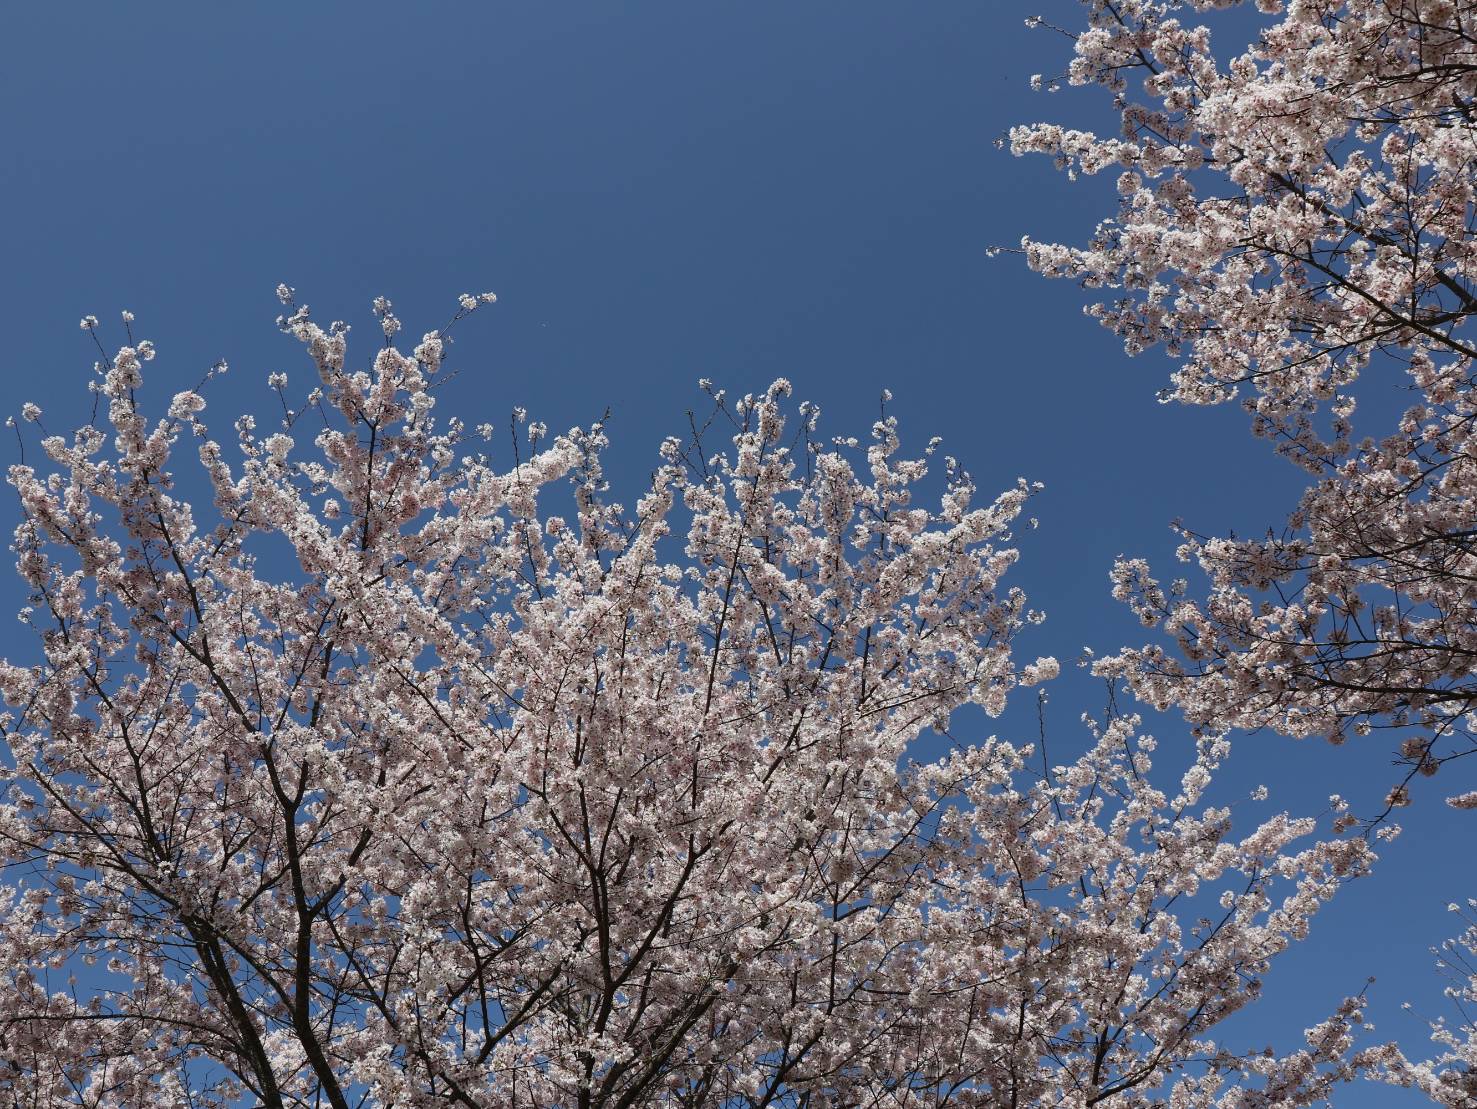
470	302
185	405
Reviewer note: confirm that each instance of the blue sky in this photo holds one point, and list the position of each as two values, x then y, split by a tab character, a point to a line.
660	192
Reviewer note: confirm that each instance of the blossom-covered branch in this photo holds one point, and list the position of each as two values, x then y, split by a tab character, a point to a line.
1294	214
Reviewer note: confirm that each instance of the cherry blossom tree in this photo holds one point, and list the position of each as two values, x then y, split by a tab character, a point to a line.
1296	213
385	775
1451	1079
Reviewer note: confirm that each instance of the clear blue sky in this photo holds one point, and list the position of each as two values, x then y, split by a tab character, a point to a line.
658	192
